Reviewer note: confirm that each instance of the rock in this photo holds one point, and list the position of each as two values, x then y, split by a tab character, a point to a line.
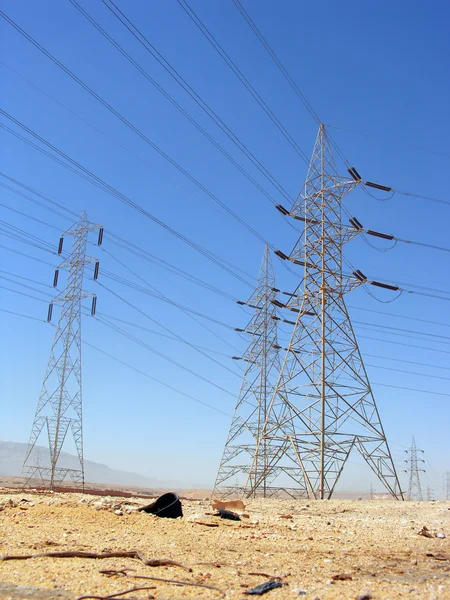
440	535
118	512
342	577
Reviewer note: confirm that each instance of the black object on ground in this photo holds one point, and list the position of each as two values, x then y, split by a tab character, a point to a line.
263	588
168	506
228	514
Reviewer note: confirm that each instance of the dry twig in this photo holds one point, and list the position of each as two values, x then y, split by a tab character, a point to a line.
151	562
135	589
111	572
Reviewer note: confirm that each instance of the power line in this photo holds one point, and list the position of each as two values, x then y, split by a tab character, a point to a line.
127	365
101	184
277	61
125	244
153	331
408	345
174	103
411	362
198	99
310	109
166	329
25	214
162	355
17	314
174	389
394	329
361	325
407	372
231	64
137	131
439	323
46	198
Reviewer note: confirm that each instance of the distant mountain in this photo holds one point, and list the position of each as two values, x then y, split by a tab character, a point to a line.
12	455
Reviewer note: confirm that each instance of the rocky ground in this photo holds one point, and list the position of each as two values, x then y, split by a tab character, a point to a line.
317	550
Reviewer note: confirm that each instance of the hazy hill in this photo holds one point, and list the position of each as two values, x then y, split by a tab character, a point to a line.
12	455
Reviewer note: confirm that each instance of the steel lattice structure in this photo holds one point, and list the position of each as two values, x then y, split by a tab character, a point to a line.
60	403
414	487
323	393
243	467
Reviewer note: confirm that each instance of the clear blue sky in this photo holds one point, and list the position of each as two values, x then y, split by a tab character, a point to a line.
379	69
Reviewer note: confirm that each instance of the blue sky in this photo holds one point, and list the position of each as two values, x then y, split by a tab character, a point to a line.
373	69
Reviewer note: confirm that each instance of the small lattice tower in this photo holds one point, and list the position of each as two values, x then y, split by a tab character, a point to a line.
59	408
414	487
243	467
323	392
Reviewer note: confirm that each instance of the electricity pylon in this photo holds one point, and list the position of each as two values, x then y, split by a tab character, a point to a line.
323	381
446	484
60	403
243	466
414	487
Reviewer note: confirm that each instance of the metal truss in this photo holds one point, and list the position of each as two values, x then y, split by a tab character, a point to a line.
414	487
59	409
243	469
322	406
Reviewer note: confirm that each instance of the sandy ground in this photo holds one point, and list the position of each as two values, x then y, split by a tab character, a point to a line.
373	545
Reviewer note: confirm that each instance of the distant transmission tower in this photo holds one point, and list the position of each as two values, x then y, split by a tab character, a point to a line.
414	487
446	484
60	403
323	392
243	467
430	493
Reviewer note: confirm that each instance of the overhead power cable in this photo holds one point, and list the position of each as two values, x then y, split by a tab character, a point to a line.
154	332
407	372
147	316
408	389
198	99
170	387
408	345
232	65
121	242
410	362
174	389
133	128
101	184
162	355
17	314
187	311
380	312
310	109
276	60
40	195
361	325
396	329
174	103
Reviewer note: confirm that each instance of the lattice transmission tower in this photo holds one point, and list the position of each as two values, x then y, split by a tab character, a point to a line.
60	403
243	468
323	393
446	485
414	487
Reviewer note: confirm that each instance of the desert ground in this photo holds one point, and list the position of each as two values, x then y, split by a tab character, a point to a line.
327	550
